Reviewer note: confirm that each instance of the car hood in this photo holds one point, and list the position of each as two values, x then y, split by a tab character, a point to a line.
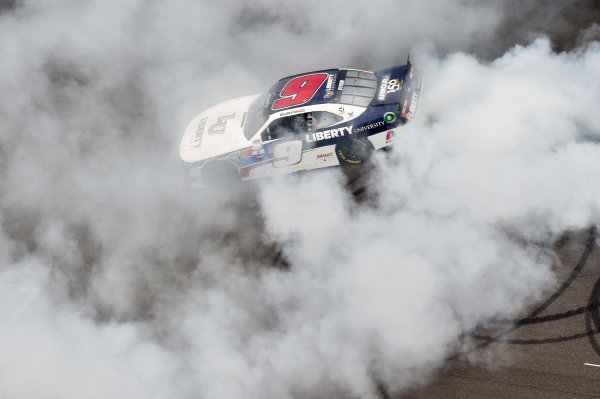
216	131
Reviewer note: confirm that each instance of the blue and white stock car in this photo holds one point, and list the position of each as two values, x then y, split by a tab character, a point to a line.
307	121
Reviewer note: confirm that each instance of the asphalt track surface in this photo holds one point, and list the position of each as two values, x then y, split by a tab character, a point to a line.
551	350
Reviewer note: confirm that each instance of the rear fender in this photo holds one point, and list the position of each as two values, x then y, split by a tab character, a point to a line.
390	83
399	86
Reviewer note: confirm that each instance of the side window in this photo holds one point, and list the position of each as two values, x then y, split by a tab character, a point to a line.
288	126
294	125
323	119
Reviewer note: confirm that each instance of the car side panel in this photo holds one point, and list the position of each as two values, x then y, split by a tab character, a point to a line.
317	149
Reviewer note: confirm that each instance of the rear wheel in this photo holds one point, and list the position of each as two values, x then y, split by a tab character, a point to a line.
353	151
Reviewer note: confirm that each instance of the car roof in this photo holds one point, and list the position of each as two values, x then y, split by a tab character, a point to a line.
325	84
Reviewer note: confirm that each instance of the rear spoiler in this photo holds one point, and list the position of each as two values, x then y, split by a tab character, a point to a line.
410	92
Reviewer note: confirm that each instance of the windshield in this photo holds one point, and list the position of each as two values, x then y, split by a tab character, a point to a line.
254	118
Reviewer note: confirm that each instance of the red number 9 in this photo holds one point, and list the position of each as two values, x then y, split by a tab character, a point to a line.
299	90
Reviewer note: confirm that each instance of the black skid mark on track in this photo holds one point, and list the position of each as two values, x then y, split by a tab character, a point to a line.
592	319
543	319
591	310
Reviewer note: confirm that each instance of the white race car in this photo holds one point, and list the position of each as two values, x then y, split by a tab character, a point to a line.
307	121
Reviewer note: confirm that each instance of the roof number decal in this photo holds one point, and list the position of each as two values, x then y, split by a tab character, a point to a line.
299	90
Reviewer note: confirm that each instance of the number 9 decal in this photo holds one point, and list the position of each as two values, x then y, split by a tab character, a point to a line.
287	153
299	90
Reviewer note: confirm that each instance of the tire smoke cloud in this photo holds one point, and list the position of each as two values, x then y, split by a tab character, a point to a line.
149	289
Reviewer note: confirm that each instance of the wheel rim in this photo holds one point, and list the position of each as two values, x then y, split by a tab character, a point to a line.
355	151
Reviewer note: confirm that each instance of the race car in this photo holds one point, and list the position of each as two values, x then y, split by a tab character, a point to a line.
305	121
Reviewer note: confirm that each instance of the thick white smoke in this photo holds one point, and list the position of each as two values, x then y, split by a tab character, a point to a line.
501	152
148	289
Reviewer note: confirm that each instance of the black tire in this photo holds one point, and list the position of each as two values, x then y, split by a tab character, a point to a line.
352	151
220	174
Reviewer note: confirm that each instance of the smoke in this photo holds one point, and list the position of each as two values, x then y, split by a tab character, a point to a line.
149	289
